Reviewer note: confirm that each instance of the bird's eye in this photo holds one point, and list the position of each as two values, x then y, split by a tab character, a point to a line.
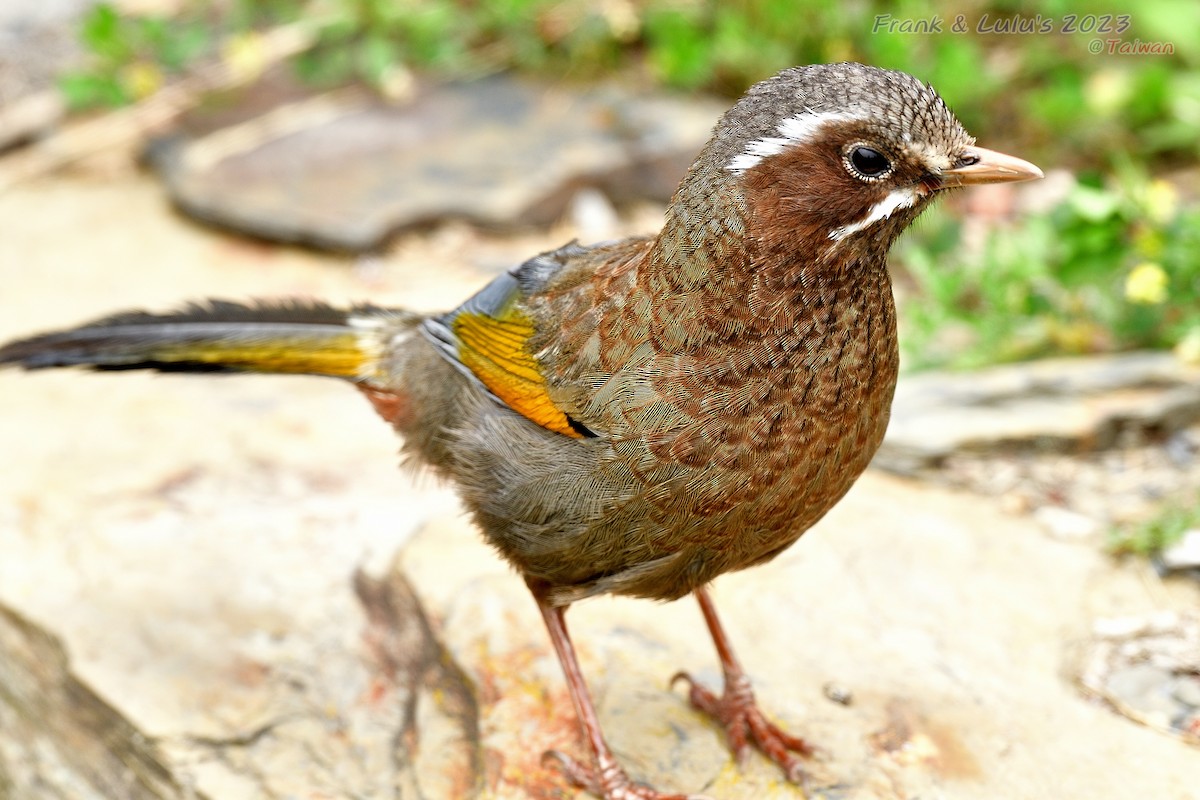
867	162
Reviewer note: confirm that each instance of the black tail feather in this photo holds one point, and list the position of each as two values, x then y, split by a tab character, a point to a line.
215	336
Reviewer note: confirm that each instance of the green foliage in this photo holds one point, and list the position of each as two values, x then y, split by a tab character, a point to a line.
1162	530
366	38
131	55
725	46
1106	268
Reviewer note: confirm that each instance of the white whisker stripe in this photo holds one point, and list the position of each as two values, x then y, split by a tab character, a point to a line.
896	200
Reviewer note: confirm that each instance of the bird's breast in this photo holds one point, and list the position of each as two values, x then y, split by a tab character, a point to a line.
774	424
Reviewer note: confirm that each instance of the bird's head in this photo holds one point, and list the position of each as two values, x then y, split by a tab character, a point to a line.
833	157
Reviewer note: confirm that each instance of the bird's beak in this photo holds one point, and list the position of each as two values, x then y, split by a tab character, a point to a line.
979	165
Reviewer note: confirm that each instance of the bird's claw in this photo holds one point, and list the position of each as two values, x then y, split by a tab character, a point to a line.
738	713
609	781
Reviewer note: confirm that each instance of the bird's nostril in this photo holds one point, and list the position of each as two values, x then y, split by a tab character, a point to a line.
967	160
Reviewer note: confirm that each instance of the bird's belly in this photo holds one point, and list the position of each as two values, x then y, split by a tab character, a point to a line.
634	519
655	510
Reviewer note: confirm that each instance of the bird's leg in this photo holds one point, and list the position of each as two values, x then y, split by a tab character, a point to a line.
606	779
736	709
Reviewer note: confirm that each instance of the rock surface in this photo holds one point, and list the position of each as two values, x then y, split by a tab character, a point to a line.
1184	554
344	173
58	737
1087	448
38	42
1148	668
244	588
1061	405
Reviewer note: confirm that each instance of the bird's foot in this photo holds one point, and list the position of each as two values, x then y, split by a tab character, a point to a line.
608	780
737	711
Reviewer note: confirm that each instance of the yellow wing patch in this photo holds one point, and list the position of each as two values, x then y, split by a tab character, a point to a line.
497	352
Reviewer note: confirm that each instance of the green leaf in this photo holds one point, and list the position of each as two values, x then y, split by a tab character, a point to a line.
376	56
1094	205
82	90
103	33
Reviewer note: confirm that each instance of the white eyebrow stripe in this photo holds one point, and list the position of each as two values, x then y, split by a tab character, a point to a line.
897	199
792	131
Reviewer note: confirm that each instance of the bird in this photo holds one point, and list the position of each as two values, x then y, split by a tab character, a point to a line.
640	416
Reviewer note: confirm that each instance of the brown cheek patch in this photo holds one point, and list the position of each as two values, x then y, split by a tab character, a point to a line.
806	191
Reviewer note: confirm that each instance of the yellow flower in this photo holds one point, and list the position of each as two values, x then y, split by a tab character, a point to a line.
141	79
622	19
1160	200
245	56
1146	284
1107	91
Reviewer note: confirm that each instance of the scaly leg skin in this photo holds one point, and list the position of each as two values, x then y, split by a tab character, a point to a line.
607	779
736	709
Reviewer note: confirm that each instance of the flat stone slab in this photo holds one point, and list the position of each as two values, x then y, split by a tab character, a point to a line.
343	172
1068	405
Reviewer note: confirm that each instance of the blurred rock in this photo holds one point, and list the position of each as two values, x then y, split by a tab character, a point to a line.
59	738
1062	523
341	172
1146	668
38	38
593	215
1186	689
1053	405
38	41
1184	554
1144	687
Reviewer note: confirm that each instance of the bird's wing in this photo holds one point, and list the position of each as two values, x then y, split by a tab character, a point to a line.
488	339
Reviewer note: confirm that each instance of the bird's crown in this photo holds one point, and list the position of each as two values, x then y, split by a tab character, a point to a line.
794	107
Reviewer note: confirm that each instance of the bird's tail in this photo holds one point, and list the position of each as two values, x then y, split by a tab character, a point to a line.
219	336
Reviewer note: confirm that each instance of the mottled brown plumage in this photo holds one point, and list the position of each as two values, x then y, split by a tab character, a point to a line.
641	416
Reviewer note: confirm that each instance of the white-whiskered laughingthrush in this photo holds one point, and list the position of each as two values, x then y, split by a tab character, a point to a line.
640	416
